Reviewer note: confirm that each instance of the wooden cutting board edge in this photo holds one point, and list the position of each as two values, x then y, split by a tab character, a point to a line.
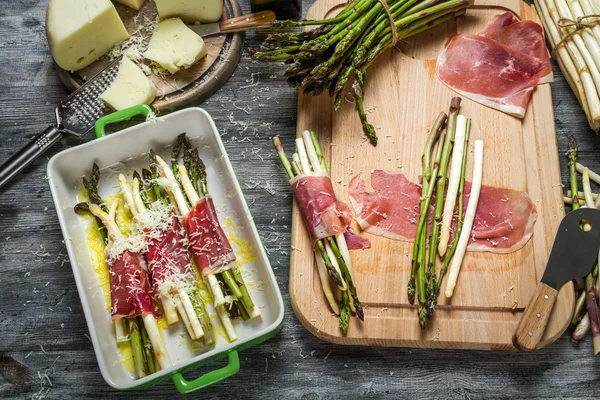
540	116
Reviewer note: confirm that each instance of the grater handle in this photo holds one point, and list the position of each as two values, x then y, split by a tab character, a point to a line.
35	148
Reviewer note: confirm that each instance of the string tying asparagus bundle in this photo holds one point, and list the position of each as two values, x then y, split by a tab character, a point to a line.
347	44
186	185
131	297
573	30
423	283
168	260
331	250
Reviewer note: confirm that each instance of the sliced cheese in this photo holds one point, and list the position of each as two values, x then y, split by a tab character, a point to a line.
81	31
174	46
131	87
135	4
191	10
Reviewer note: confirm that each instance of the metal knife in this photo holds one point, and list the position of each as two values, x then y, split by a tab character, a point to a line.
573	255
259	20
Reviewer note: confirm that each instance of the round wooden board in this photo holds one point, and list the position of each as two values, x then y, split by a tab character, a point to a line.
186	87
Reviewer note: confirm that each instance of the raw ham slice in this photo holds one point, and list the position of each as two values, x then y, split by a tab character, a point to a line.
503	222
322	214
130	290
528	38
208	243
500	67
489	73
168	259
499	21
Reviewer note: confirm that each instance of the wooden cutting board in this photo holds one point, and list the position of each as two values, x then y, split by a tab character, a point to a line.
187	87
404	96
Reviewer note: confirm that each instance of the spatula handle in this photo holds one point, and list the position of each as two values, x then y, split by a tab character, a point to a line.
531	328
35	148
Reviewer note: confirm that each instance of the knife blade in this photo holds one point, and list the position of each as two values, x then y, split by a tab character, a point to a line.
258	20
573	255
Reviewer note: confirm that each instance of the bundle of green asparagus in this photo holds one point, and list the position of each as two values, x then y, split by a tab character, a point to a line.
327	57
423	283
319	208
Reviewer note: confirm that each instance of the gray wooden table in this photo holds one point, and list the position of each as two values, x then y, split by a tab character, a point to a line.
42	327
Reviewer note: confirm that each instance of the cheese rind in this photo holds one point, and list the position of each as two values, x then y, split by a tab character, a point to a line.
191	10
131	87
135	4
81	31
174	46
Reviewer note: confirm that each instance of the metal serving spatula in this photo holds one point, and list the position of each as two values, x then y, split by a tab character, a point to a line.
573	255
76	115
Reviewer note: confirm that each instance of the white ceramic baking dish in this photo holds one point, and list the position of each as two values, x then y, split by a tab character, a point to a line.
122	152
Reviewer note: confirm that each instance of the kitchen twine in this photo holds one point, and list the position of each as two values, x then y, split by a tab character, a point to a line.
579	26
386	8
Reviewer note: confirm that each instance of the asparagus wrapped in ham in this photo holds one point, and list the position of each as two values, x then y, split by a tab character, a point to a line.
168	260
186	185
326	220
130	287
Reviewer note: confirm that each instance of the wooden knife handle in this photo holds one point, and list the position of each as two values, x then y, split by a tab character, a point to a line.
251	21
531	328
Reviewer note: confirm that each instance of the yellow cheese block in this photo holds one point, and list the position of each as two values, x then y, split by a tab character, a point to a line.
81	31
174	46
191	10
135	4
131	87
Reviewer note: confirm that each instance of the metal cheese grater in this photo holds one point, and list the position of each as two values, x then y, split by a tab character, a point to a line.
76	116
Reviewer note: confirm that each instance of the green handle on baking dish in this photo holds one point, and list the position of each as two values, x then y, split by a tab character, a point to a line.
232	367
120	116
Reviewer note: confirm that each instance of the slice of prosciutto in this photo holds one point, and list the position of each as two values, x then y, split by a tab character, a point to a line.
526	37
130	290
500	67
168	259
503	221
208	243
322	214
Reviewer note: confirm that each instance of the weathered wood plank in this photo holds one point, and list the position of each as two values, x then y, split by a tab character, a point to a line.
281	368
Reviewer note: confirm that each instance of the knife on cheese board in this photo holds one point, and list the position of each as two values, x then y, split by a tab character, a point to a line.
573	254
258	20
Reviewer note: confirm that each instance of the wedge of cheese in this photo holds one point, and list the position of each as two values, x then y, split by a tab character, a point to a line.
191	10
135	4
81	31
174	46
131	87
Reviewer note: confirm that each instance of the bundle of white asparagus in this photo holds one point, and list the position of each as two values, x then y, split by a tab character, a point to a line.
573	30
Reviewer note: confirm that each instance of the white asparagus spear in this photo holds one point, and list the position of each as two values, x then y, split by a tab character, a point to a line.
593	176
184	317
191	313
465	234
453	182
170	185
120	331
158	345
312	152
324	277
